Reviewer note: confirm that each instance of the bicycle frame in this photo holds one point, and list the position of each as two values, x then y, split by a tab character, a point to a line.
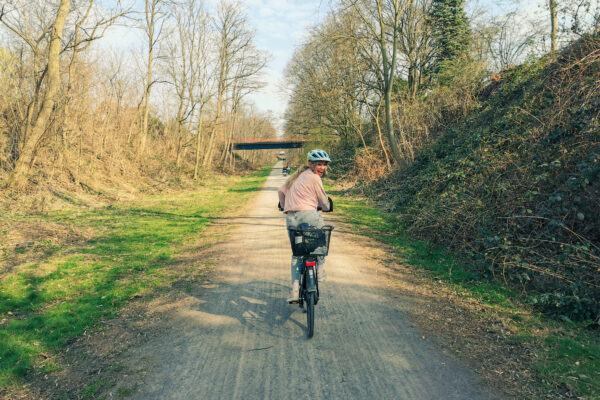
308	278
309	244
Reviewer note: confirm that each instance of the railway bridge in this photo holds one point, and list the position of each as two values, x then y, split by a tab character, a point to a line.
268	143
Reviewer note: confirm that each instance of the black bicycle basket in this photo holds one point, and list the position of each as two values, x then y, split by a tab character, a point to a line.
311	241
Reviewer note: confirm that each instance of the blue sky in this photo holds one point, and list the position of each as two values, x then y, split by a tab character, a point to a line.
281	25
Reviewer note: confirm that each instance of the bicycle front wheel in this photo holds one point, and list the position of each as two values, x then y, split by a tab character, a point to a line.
310	314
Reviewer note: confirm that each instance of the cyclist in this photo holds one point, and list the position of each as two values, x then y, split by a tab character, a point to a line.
300	197
286	168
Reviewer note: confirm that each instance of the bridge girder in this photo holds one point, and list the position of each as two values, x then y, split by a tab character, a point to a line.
269	144
260	146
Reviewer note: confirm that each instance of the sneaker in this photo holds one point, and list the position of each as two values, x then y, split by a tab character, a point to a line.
295	296
322	276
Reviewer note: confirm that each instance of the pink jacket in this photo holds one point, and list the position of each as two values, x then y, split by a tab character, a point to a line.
306	193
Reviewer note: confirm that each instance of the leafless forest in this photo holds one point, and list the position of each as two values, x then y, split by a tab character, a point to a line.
368	76
78	111
478	132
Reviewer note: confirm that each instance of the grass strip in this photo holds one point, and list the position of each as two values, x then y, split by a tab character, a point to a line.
44	305
568	353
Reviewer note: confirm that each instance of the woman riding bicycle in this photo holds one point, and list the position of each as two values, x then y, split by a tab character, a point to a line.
300	196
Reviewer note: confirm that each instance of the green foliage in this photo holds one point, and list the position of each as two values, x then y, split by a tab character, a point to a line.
45	305
515	182
451	32
343	156
386	228
567	355
400	86
572	360
576	306
156	127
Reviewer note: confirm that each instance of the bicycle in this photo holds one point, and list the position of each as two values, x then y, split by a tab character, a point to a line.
309	243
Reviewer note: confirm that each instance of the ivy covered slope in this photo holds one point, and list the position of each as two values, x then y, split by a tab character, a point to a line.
516	184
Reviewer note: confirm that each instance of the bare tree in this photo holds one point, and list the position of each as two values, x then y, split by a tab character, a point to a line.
179	67
40	49
202	80
154	17
235	41
553	25
246	67
41	107
382	25
415	41
508	42
91	24
324	77
582	16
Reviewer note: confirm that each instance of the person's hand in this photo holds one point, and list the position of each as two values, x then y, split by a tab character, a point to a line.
279	206
319	208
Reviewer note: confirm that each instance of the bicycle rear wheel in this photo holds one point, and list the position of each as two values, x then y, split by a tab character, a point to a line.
310	314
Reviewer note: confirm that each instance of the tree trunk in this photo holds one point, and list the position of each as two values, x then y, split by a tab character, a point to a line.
179	144
388	77
380	135
18	178
553	26
208	156
390	126
151	13
198	144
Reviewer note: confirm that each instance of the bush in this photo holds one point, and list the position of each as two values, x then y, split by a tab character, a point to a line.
514	177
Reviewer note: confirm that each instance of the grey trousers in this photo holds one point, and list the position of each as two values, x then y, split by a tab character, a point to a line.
313	219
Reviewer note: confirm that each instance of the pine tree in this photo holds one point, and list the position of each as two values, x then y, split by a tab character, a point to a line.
451	33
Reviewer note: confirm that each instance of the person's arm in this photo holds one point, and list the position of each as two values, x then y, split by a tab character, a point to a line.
322	198
281	193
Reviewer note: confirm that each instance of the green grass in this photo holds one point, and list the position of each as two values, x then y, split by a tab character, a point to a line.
91	390
572	358
44	305
567	352
125	392
439	264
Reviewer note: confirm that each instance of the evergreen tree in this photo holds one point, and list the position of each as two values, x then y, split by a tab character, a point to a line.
451	33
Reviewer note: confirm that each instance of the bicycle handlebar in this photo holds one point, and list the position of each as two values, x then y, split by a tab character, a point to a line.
330	206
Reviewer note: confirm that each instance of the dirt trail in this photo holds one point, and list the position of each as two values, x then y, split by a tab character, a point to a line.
236	338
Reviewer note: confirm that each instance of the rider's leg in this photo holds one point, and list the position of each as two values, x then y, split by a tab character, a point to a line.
296	266
296	263
321	274
295	295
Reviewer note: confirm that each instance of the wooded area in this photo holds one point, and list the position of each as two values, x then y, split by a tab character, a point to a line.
450	122
408	66
73	111
465	143
412	97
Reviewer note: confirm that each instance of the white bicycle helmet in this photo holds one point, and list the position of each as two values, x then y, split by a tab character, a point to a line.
318	155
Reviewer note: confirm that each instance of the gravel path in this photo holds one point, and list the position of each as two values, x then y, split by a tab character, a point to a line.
237	338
